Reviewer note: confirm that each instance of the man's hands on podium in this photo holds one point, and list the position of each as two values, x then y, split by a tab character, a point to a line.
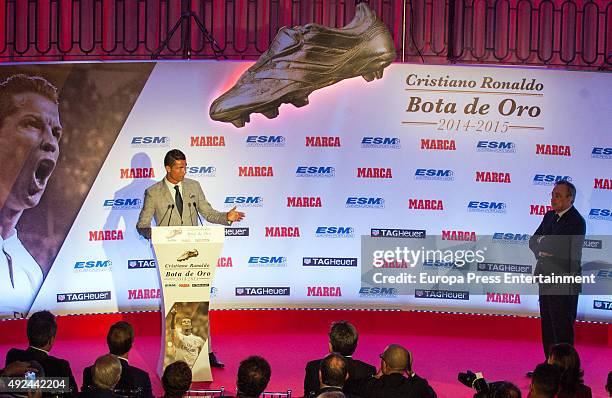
234	215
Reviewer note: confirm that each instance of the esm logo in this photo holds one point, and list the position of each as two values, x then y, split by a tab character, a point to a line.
381	142
315	171
150	141
202	171
601	153
265	141
496	146
549	179
434	174
123	203
244	201
363	202
477	206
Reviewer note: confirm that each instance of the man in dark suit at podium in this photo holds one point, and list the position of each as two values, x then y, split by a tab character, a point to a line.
177	201
557	246
133	381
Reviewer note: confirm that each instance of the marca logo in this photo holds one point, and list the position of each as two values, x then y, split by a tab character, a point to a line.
374	172
506	298
202	171
492	176
486	207
539	210
265	141
425	204
510	238
282	232
263	291
268	261
394	264
438	145
467	236
123	204
335	232
556	150
329	261
141	264
362	202
242	231
208	140
255	171
324	291
85	296
144	294
304	201
93	265
150	141
438	263
601	214
603	183
381	142
601	153
434	174
592	244
244	201
323	141
397	233
549	179
378	292
442	294
315	171
225	262
499	267
602	305
108	234
496	146
138	172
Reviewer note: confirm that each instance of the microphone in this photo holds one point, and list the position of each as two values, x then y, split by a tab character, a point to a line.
164	216
170	218
198	213
190	213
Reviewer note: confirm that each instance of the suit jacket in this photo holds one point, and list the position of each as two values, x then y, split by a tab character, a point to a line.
158	203
396	385
357	370
132	379
53	367
563	239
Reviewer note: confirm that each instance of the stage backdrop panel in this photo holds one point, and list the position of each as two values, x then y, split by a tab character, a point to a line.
437	148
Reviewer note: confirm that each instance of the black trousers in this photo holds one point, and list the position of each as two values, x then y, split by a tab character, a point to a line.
558	314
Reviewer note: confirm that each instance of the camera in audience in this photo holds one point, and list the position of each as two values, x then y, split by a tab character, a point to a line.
496	389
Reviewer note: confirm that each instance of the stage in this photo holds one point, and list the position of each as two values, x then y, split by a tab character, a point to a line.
443	344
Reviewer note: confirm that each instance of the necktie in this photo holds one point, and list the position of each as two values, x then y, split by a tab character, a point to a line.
557	217
178	199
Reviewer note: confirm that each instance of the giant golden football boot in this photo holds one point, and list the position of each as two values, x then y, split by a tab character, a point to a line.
306	58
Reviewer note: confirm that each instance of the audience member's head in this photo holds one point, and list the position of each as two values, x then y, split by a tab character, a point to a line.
505	389
120	338
106	372
343	338
566	358
176	379
333	370
332	394
396	359
41	330
609	384
545	381
253	376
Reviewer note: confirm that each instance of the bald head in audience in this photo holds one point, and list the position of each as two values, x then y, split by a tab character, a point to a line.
396	359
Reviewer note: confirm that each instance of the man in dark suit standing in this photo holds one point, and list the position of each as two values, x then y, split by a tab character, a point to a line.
557	246
133	381
176	201
41	330
343	339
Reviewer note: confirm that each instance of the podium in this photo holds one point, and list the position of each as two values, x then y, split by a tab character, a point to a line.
186	260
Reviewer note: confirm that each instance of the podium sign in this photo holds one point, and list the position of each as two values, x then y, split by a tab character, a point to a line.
186	260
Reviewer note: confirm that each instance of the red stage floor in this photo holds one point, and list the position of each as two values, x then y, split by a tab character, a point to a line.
502	347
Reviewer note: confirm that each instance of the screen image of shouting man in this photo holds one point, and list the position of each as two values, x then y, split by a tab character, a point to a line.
30	131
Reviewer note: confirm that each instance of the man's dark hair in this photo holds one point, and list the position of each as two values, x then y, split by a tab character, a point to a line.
41	328
545	379
176	379
333	370
566	358
20	84
120	338
505	389
609	384
343	337
570	187
253	376
172	156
